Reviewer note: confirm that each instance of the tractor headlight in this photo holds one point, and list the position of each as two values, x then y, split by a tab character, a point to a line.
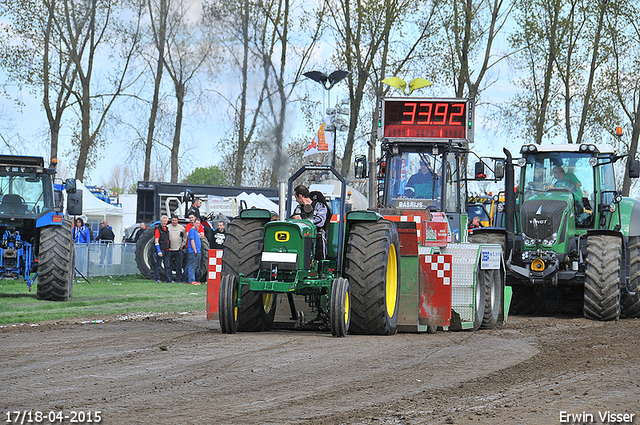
527	240
612	207
551	240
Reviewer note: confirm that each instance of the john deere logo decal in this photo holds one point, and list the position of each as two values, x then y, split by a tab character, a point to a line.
282	236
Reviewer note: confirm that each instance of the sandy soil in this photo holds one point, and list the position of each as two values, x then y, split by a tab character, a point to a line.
179	368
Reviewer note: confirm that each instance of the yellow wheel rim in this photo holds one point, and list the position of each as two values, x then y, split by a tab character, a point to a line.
267	302
346	308
235	308
392	281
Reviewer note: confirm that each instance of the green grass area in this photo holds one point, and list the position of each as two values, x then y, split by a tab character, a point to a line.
104	295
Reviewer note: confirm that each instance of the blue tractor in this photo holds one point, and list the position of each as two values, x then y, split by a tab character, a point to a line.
37	239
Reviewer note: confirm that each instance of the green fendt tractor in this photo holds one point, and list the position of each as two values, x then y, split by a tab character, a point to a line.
355	289
573	239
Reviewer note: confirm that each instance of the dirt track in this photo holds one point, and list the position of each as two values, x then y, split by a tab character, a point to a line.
169	369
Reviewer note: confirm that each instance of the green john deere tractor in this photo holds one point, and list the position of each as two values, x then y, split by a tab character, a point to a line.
355	289
571	239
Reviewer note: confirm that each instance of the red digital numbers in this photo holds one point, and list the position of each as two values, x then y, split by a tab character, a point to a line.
424	119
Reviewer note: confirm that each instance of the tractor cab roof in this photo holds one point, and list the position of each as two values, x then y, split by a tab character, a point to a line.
581	148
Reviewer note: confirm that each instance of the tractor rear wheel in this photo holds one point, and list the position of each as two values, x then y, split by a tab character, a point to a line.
602	278
372	267
631	303
56	262
226	304
340	316
242	254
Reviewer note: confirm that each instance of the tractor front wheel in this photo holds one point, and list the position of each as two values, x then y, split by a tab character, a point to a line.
226	304
56	262
340	307
602	278
372	267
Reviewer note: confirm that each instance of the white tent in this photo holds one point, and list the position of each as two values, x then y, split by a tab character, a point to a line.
96	211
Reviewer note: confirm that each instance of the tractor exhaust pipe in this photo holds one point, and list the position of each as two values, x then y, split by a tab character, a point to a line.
509	194
282	200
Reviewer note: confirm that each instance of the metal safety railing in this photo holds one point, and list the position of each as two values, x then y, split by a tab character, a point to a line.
101	259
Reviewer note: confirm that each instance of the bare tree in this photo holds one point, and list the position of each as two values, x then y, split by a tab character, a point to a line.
120	179
621	81
159	30
188	46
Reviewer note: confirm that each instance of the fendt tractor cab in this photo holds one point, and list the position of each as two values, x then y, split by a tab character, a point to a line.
37	241
576	239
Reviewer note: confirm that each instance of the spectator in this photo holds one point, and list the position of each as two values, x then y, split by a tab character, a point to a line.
177	241
192	218
219	236
81	233
162	249
105	234
195	207
106	237
194	244
138	232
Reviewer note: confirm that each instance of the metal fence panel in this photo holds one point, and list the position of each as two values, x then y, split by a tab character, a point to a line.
114	259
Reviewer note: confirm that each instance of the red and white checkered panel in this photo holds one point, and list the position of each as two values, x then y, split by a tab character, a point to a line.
215	265
214	276
440	267
435	289
415	218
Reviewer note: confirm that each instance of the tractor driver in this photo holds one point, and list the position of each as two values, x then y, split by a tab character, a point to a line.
317	212
421	184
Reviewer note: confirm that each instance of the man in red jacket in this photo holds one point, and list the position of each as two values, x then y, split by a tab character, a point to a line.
162	250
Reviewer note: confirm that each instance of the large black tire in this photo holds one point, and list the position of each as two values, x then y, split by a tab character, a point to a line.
204	259
602	280
479	298
228	312
145	253
523	300
631	302
56	262
372	267
242	254
340	316
493	280
493	297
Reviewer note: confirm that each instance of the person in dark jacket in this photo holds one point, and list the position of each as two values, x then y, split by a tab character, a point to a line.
105	237
161	238
313	206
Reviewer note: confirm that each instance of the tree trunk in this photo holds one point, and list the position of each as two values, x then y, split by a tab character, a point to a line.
242	143
175	148
160	44
592	71
541	117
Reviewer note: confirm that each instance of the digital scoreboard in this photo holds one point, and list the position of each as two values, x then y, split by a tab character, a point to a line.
419	119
